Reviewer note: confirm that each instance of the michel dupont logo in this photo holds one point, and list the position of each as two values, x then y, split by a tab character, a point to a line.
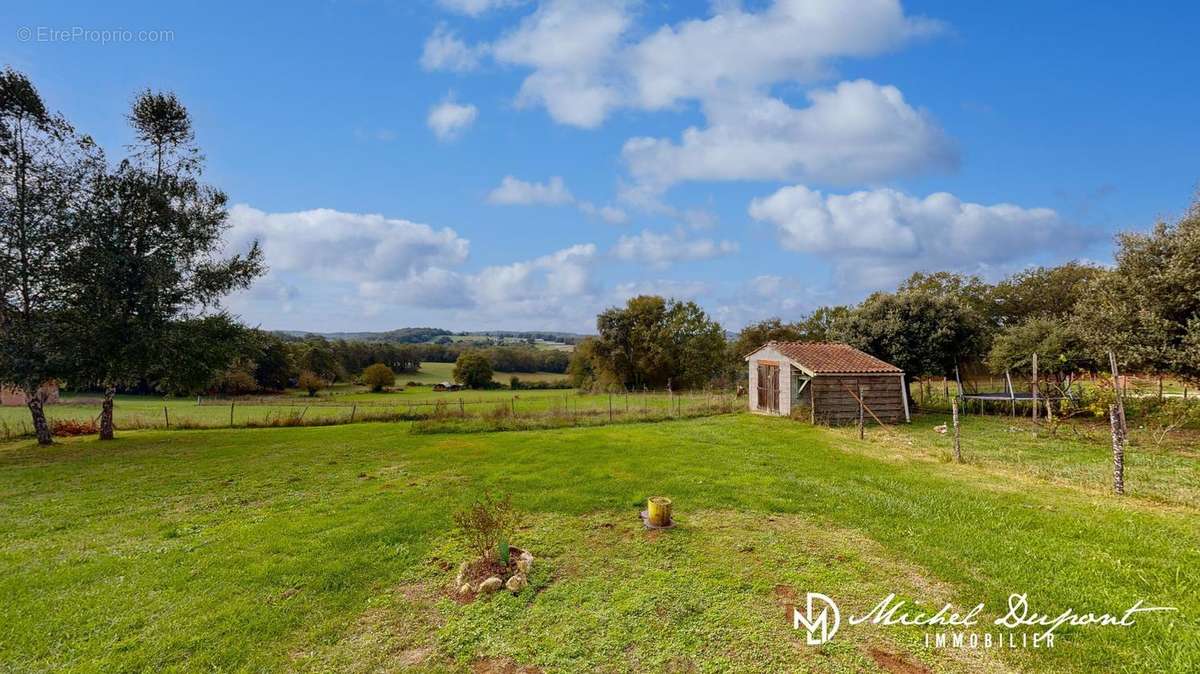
1019	627
821	626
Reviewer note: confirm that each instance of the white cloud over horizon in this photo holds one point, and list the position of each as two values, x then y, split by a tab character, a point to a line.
876	237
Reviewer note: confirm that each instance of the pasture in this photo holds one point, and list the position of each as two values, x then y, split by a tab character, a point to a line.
346	403
330	548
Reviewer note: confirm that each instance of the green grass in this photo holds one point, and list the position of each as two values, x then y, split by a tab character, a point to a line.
327	549
433	373
338	404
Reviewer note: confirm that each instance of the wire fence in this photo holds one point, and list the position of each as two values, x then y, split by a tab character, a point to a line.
80	417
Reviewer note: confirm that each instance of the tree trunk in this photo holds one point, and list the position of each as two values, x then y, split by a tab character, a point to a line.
106	414
38	412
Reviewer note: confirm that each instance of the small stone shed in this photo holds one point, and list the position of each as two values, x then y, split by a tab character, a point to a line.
820	381
12	396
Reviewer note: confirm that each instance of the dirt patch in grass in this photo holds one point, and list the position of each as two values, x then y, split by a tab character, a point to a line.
502	666
896	664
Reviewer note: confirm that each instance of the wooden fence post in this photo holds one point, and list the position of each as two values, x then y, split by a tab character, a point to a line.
954	422
610	407
1118	392
231	415
1036	412
166	416
1118	445
353	409
514	406
861	430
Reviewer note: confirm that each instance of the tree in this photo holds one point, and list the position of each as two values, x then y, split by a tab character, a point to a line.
320	359
473	370
1041	292
152	257
311	382
378	377
657	342
42	169
1061	350
273	367
920	332
193	352
1147	309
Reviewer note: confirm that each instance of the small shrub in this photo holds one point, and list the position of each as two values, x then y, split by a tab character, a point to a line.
236	382
310	382
66	428
378	376
485	525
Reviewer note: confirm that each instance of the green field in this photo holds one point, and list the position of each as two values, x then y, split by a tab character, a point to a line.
345	402
329	548
432	373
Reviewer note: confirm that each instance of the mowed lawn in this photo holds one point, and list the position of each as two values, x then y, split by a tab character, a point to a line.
329	549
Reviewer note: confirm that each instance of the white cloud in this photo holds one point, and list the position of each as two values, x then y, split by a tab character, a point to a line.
660	250
587	61
610	214
572	47
879	236
739	51
445	51
513	191
476	7
680	290
857	131
331	244
562	274
544	286
448	119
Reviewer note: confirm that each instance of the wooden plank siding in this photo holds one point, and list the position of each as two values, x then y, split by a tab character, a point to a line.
833	404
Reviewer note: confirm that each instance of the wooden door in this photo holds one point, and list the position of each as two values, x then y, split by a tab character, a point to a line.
768	387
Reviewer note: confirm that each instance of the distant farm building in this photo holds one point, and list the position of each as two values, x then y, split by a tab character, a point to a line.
446	386
11	396
821	382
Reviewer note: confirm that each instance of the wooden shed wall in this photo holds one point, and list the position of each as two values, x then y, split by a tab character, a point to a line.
833	404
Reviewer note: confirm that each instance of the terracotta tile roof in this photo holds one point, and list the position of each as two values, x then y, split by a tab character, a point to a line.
830	358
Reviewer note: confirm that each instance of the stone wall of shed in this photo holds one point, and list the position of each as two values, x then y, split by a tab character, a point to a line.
785	379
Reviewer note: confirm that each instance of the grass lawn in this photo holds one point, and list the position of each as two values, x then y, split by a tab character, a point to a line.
329	549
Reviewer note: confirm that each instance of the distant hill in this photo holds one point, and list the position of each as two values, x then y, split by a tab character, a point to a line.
423	335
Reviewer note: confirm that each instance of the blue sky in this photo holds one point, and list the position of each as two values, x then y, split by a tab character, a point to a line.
499	164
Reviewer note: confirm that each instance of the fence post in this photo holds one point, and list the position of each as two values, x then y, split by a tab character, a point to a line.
231	414
166	416
353	409
1119	391
861	432
462	409
1036	411
954	422
1118	445
610	407
514	406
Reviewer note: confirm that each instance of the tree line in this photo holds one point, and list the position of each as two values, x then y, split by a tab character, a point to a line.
1145	309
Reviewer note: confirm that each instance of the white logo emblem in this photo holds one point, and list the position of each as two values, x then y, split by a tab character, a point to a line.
821	627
